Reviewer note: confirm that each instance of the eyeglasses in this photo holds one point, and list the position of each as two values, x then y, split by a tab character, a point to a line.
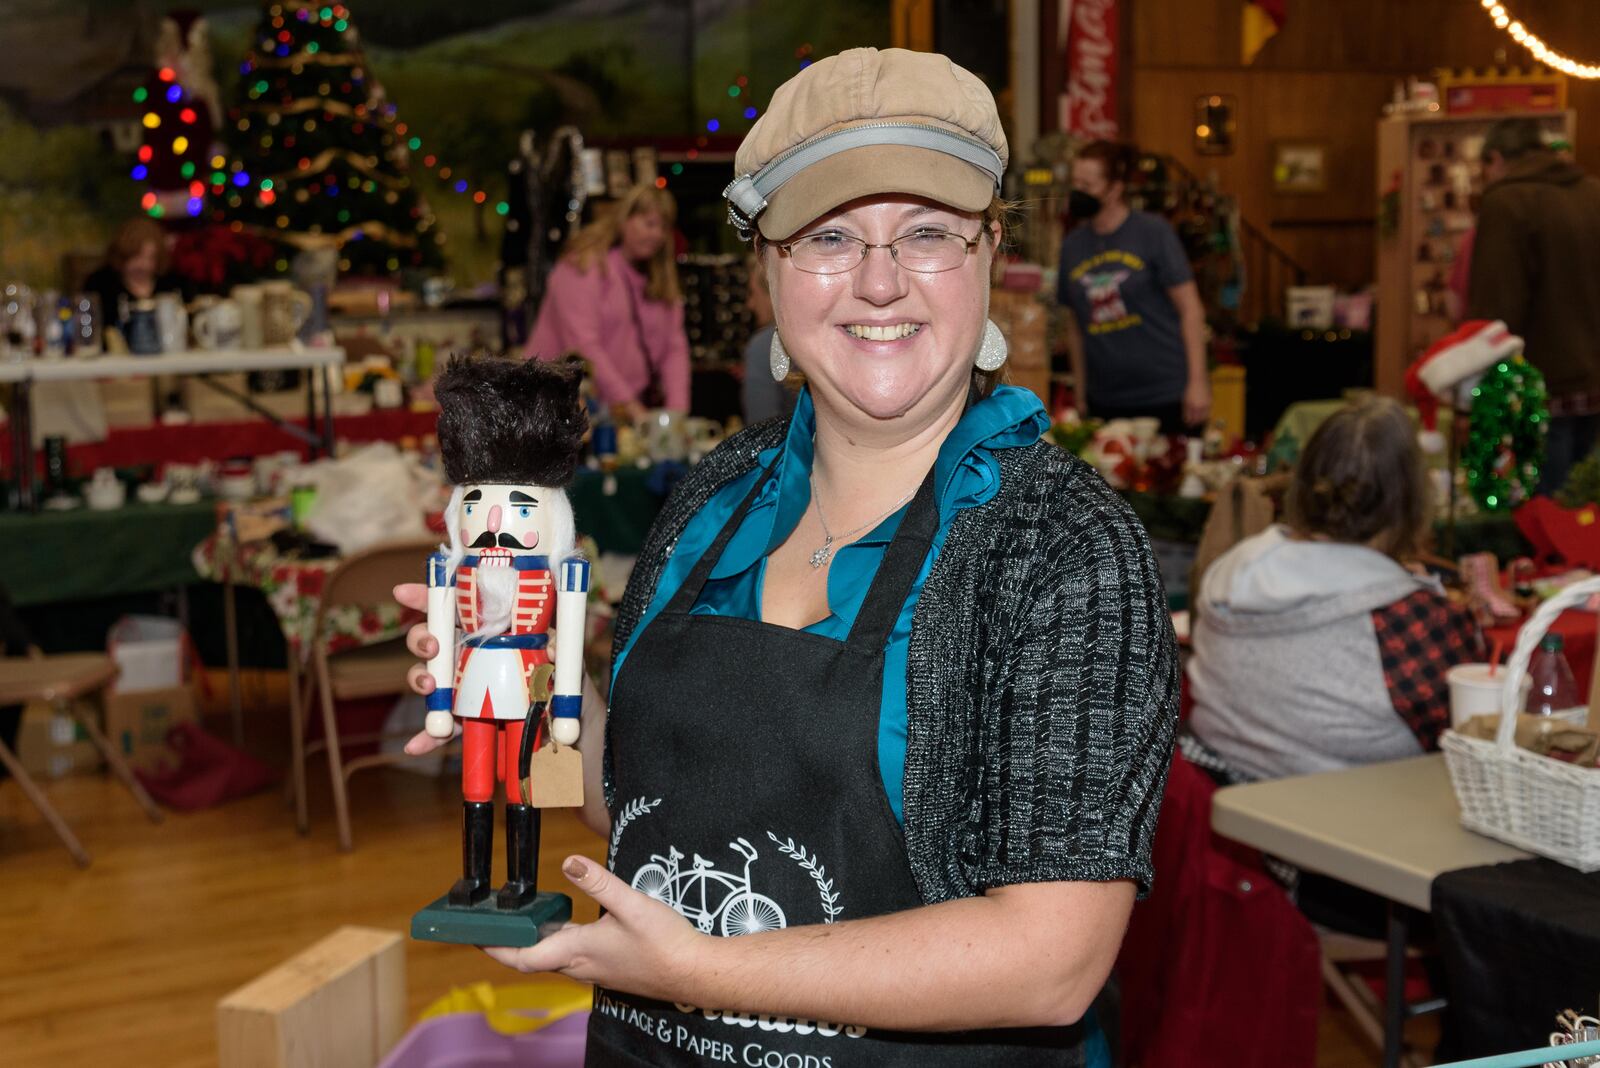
925	251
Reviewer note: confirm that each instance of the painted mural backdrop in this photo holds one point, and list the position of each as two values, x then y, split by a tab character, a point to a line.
459	80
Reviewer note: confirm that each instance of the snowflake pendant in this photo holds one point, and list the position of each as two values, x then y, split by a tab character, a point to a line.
820	557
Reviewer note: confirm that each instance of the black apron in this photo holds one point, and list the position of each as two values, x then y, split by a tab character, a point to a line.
748	797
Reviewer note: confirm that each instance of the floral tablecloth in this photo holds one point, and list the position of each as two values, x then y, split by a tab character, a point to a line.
293	587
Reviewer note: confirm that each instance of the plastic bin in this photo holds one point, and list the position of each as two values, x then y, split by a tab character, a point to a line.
465	1040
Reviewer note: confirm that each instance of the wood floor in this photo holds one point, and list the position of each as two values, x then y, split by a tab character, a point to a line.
124	962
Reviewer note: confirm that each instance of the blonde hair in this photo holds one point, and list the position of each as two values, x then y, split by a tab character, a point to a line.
589	246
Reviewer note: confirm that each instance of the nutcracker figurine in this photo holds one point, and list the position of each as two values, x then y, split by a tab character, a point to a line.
510	435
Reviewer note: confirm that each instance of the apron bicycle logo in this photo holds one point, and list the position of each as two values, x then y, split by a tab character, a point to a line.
715	900
708	898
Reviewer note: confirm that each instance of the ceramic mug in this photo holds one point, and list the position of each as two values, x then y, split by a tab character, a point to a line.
284	310
142	330
218	324
105	491
172	321
248	298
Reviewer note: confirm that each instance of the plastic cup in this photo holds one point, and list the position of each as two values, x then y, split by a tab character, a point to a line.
1476	692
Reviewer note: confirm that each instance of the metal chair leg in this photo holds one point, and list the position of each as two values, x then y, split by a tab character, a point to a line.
119	766
80	855
298	704
330	726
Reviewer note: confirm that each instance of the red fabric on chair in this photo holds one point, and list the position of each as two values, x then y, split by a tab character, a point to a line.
1218	969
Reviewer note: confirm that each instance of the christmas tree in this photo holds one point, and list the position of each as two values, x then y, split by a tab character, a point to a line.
319	159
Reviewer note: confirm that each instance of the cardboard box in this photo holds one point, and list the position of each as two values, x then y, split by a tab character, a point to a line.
340	1003
51	745
149	653
137	724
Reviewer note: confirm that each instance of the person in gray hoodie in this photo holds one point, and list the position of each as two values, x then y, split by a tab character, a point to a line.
1315	646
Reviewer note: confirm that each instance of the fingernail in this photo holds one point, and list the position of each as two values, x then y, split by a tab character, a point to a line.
574	868
428	684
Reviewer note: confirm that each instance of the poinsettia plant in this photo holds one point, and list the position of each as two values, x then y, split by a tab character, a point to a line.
216	258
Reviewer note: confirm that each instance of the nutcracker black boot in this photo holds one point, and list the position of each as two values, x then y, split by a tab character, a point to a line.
522	854
477	841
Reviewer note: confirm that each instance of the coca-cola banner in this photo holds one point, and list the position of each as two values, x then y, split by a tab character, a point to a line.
1089	41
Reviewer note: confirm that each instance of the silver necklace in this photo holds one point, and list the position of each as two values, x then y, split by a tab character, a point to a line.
825	553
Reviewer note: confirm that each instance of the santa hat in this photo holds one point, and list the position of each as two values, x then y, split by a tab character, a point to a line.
1455	362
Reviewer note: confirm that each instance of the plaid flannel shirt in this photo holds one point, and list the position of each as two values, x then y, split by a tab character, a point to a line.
1420	638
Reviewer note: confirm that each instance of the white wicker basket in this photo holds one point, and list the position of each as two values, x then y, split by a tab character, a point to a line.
1533	802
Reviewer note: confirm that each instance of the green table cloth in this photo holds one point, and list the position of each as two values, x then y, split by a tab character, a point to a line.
56	557
81	555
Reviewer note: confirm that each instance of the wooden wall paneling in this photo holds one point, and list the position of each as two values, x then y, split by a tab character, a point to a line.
1325	77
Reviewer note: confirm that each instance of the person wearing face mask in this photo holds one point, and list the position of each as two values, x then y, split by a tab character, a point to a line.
894	683
614	299
1137	340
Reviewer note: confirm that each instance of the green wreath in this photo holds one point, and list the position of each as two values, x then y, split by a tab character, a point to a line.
1505	439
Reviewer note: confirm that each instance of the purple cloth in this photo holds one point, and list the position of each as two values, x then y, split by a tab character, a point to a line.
604	314
465	1040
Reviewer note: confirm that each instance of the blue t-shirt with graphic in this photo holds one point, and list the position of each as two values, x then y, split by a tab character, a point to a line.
1116	285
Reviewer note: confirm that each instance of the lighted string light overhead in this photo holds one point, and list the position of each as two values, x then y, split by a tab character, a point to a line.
1535	46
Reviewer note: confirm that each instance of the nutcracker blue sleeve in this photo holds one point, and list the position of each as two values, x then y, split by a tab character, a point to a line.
442	626
572	587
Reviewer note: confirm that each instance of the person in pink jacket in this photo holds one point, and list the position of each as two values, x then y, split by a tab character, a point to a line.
614	299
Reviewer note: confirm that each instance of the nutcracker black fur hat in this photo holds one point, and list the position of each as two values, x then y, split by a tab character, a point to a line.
510	421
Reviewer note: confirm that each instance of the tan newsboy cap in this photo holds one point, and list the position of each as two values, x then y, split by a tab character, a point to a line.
863	122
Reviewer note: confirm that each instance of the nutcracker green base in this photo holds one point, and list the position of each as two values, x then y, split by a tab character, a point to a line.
485	924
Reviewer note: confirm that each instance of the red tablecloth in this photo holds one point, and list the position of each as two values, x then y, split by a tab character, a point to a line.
135	446
1577	630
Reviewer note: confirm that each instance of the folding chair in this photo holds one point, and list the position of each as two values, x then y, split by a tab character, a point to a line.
364	579
63	680
1348	962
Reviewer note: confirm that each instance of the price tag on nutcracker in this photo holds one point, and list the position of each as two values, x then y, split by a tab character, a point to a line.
554	775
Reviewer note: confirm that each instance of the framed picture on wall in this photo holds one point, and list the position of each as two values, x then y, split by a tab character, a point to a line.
1299	167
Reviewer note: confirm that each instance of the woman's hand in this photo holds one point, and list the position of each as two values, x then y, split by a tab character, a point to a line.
425	647
1197	402
639	945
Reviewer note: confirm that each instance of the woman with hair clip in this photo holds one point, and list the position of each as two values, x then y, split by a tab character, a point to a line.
894	680
614	299
1137	339
1316	646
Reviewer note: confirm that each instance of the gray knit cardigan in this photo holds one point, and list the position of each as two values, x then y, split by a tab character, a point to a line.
1042	688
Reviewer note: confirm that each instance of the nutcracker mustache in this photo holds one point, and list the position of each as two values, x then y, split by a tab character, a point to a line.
488	540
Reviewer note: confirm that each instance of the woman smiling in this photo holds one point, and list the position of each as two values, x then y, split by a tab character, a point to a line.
894	685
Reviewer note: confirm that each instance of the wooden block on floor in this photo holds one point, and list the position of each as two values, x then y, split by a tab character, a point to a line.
339	1004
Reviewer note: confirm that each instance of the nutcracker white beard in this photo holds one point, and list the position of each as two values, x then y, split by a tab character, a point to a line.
497	596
